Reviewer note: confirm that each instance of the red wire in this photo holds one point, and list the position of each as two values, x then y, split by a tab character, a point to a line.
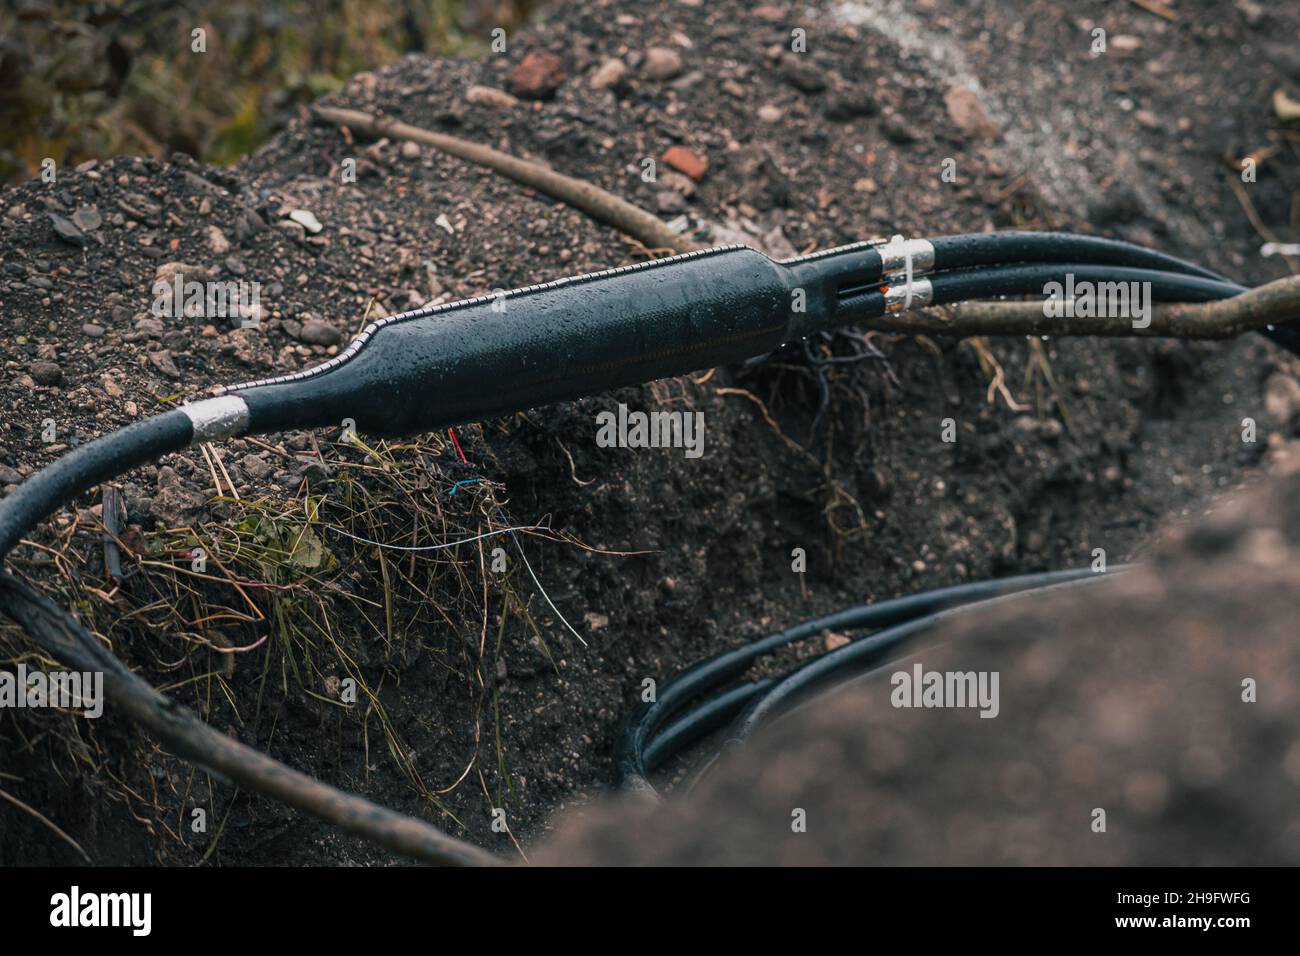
452	433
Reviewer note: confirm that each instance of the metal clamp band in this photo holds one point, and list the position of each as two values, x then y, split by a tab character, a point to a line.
894	256
217	417
897	296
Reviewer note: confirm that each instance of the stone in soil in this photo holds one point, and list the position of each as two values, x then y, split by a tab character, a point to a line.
46	373
316	332
798	70
610	74
683	160
67	230
967	111
537	76
490	97
164	363
661	63
217	241
308	220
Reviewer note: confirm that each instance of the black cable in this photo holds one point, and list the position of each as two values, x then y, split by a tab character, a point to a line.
86	466
712	715
639	739
985	282
989	282
851	660
762	702
858	268
1003	248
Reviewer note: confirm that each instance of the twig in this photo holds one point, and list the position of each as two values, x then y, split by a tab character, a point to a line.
604	206
437	547
767	417
1270	304
271	448
573	469
1265	233
558	614
1009	190
216	456
1158	8
47	821
995	373
112	519
212	469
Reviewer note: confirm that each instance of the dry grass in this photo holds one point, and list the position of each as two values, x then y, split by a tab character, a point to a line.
292	607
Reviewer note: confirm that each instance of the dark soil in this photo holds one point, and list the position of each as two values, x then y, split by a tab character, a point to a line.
844	143
1128	697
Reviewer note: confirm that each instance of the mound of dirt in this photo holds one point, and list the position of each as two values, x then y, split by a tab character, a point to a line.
1165	698
481	698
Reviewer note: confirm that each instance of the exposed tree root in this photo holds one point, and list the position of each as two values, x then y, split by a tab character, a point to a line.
597	203
1276	302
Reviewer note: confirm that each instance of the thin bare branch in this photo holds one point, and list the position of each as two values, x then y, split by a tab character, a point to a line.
1274	303
598	203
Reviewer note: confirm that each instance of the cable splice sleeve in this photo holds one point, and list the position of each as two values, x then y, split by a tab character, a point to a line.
496	355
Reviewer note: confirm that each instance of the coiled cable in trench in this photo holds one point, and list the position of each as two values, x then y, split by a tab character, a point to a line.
683	711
